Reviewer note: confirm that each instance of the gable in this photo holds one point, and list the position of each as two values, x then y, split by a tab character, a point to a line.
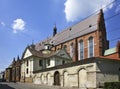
63	54
27	54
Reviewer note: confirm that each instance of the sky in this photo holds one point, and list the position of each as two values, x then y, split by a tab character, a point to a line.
23	22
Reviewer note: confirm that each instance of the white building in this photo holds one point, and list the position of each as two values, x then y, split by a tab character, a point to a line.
33	60
87	74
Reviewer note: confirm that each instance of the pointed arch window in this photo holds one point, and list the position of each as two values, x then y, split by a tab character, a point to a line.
90	47
71	49
81	50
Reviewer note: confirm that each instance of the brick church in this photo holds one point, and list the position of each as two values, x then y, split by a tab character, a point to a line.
78	56
83	40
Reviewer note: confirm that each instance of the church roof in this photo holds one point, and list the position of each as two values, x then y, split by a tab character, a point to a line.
59	53
86	26
36	53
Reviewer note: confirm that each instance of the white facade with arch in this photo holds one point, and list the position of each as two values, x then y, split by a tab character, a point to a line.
89	73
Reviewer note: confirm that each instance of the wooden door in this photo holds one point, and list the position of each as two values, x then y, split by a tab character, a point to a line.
56	78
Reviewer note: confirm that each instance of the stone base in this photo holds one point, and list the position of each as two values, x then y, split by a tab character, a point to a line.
27	80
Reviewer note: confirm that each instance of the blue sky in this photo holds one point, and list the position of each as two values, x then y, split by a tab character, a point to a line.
24	21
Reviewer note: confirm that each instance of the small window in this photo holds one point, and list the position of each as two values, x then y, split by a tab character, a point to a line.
65	47
27	62
48	62
40	62
63	62
90	26
27	70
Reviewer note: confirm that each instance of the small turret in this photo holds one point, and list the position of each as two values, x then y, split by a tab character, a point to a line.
54	30
32	45
18	58
14	61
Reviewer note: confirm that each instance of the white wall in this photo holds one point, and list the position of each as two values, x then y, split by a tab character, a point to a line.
36	64
72	75
27	54
89	75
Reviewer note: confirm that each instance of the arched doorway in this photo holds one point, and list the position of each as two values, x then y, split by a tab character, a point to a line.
57	78
65	79
82	80
48	79
42	79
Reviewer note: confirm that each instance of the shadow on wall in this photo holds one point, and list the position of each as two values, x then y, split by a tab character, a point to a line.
5	86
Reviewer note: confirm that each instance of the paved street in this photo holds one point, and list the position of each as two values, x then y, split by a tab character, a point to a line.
27	86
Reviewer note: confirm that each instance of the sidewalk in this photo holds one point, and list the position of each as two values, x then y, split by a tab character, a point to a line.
47	87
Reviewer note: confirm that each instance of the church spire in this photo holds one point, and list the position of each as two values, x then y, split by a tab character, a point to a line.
54	30
18	58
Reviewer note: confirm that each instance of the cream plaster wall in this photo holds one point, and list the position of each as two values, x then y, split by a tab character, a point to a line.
27	54
68	76
91	75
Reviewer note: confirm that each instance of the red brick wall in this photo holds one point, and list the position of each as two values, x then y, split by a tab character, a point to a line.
100	41
97	48
113	56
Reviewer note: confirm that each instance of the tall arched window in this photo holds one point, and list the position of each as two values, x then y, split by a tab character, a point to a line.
81	50
90	47
71	49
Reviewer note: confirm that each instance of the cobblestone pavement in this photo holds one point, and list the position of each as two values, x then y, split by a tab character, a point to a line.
28	86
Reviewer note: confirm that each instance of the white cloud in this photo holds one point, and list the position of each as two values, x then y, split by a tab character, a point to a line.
76	9
2	23
18	24
117	9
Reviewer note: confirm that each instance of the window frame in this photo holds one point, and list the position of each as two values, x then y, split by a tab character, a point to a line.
40	63
27	71
89	55
65	47
80	49
27	64
48	62
71	50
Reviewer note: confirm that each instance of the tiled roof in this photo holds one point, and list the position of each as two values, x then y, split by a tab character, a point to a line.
40	45
59	53
35	52
86	26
